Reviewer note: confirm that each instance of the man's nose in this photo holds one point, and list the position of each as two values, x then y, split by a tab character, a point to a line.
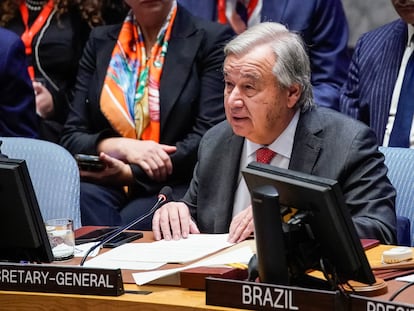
234	97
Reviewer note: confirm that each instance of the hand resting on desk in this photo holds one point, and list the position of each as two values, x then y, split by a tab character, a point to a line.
173	221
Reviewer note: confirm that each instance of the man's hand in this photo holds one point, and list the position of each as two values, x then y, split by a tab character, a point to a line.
242	226
173	221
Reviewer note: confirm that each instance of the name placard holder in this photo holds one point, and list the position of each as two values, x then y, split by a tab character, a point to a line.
360	303
260	296
61	279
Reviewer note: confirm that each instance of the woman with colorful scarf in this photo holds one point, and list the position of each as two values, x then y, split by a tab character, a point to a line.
147	90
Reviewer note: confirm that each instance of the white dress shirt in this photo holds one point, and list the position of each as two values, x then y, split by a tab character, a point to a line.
282	146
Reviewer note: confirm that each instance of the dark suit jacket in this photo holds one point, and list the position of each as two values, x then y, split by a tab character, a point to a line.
191	92
56	50
323	26
373	72
17	104
327	144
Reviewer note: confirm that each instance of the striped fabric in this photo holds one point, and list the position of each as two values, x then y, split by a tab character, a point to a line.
373	72
400	163
54	175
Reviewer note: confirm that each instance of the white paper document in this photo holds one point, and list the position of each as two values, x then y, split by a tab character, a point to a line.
147	256
239	255
82	249
406	278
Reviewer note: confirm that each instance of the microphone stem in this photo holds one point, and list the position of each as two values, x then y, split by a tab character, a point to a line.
161	199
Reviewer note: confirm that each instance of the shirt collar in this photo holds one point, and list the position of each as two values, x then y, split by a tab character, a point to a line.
410	38
283	145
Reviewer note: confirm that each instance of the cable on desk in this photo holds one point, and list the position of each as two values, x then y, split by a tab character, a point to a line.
393	296
331	278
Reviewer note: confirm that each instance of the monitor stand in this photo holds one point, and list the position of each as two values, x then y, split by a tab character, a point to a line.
378	288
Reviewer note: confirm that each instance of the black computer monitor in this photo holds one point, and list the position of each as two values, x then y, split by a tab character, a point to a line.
320	235
23	234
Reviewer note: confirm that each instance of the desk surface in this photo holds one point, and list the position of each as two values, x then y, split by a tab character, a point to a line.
161	297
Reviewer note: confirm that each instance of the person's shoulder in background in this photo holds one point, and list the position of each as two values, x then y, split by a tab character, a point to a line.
17	109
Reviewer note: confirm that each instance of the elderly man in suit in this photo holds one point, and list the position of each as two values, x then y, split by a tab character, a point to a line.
17	105
378	75
268	103
147	90
322	24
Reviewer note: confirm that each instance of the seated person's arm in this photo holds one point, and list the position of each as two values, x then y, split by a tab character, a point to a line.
368	192
153	158
328	52
116	172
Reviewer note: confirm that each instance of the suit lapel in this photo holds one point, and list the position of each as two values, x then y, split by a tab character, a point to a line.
230	167
307	144
234	150
105	48
179	60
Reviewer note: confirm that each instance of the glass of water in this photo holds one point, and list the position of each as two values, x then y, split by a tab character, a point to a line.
61	238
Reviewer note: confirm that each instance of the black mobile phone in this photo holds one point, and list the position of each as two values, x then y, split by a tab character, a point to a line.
122	238
95	235
87	162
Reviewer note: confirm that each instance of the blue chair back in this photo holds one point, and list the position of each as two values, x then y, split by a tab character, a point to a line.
400	163
54	174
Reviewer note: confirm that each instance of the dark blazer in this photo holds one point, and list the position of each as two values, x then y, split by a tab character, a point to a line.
324	28
17	104
56	50
373	72
326	144
191	92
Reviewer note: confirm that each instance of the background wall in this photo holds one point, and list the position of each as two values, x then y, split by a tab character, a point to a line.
365	15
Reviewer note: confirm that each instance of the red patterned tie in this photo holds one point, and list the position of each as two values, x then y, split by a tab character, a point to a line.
264	155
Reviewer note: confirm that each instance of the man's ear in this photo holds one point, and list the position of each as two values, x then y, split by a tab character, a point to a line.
294	92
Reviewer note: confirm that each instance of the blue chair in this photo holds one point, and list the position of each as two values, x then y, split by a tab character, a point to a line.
54	174
400	163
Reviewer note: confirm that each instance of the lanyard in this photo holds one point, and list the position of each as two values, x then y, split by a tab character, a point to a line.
29	33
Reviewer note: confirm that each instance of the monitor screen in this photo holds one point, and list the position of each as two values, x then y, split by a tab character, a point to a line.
316	226
23	234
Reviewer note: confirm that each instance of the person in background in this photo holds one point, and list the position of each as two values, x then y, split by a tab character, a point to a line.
17	104
114	11
270	109
322	24
379	90
147	90
54	33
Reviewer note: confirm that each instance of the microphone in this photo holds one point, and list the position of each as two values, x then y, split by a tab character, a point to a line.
164	195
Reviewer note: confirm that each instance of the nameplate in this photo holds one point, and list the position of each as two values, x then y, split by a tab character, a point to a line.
260	296
368	304
61	279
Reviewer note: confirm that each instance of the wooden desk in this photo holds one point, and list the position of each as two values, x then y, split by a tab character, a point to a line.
374	256
161	297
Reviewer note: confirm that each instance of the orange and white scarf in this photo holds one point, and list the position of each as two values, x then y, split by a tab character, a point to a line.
130	94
